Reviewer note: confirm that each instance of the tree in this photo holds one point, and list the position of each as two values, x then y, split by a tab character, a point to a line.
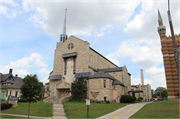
161	91
153	93
31	89
78	88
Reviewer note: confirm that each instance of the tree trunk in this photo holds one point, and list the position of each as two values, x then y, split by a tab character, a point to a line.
28	109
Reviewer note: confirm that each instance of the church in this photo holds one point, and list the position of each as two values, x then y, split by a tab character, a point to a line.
74	58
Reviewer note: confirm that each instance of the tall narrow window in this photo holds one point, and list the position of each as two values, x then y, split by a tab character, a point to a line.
74	71
65	66
16	93
6	93
104	83
10	93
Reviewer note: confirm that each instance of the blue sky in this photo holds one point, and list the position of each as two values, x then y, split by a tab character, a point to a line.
123	31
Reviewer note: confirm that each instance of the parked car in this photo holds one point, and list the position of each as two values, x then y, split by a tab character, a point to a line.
155	99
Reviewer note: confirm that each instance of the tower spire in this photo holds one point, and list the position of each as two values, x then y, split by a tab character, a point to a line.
63	36
159	15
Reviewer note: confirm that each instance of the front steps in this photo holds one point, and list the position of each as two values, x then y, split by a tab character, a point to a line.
58	110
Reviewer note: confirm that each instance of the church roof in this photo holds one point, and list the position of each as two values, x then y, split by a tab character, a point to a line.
111	69
101	74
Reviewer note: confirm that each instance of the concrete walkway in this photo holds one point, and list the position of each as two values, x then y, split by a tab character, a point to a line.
54	117
124	112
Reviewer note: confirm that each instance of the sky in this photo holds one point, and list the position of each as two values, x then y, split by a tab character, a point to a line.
124	31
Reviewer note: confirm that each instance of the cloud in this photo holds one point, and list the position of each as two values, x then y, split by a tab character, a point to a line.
135	80
22	72
112	58
20	66
44	73
158	75
9	13
143	28
141	56
82	17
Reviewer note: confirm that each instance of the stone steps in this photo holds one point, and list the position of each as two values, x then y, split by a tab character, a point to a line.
58	110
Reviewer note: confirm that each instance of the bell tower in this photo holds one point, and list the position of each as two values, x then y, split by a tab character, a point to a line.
63	36
161	29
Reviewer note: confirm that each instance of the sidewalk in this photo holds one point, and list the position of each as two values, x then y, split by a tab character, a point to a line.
54	117
124	112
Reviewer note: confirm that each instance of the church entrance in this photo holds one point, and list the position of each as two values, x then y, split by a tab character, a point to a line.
63	92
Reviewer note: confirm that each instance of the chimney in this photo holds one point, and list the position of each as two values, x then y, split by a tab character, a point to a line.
16	75
10	71
142	77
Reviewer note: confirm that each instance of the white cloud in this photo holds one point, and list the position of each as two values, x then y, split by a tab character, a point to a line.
135	81
82	16
22	72
112	58
10	2
141	56
143	28
44	73
21	65
158	75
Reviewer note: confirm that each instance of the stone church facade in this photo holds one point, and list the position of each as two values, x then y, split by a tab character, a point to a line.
74	58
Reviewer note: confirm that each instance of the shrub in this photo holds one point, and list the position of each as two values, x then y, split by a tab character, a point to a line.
107	101
23	100
127	98
141	98
5	106
14	105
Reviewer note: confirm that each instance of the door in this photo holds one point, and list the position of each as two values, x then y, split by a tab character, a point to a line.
3	96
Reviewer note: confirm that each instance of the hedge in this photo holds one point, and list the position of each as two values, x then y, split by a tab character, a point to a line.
5	106
127	98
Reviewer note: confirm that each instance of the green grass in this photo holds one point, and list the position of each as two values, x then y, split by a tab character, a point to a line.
3	101
160	109
36	109
79	109
9	116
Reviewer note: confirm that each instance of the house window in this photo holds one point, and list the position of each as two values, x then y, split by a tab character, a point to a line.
104	83
144	94
10	93
143	88
114	87
6	93
16	93
104	99
47	88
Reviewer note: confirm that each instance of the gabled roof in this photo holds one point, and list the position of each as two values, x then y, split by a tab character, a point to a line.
101	74
16	83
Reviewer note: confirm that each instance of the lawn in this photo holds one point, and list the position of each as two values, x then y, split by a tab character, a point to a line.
79	109
9	116
36	109
160	109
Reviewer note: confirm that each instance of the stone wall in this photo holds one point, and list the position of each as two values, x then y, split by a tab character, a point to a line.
97	90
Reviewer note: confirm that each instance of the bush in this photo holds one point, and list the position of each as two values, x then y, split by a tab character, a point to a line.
14	105
127	98
23	100
141	98
5	106
107	101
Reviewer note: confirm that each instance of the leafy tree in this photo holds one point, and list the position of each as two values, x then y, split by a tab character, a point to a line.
31	89
161	91
153	93
78	88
